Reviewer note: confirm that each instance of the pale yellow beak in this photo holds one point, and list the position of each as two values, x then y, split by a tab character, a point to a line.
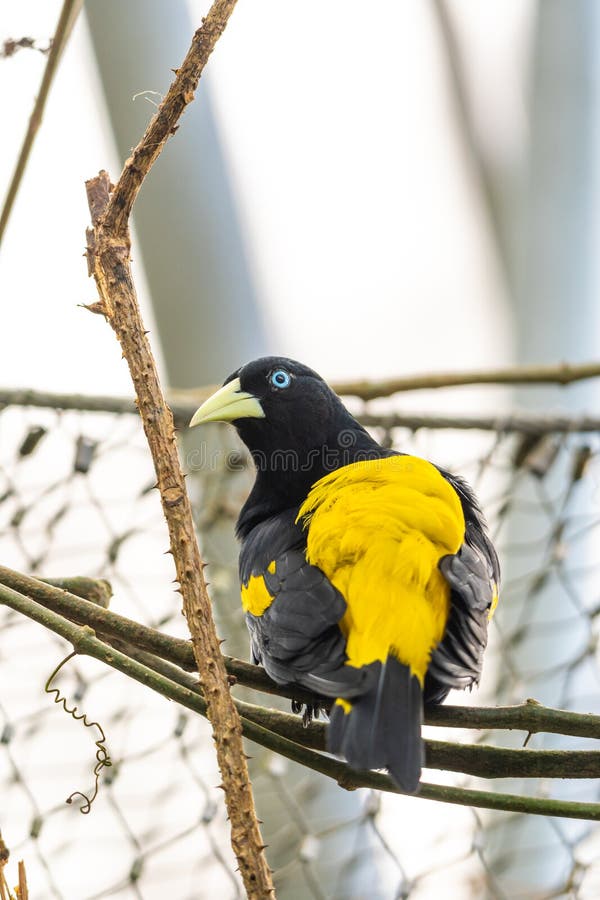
227	404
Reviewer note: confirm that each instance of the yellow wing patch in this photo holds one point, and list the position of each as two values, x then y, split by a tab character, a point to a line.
255	596
378	529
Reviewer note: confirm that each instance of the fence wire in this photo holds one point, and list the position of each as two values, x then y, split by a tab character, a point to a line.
77	498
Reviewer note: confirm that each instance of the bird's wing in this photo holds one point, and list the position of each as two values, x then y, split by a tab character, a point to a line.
473	575
292	612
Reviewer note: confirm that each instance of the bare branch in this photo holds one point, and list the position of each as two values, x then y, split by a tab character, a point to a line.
183	410
10	46
564	373
479	760
515	423
96	590
66	20
185	692
23	889
114	626
529	717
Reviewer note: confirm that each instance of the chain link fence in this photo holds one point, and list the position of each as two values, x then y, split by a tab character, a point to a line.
77	498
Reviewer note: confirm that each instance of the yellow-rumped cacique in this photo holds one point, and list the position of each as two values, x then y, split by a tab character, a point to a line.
367	575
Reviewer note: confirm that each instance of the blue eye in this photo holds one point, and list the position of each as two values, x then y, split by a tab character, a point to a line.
280	378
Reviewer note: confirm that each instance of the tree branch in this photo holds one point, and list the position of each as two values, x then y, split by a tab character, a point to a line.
254	719
563	374
114	626
529	717
96	590
108	252
66	20
183	411
518	423
479	760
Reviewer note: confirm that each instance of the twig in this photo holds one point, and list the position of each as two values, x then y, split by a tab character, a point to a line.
84	641
23	889
480	760
563	374
183	411
4	855
10	46
96	590
66	20
530	716
483	761
113	625
516	423
79	402
109	262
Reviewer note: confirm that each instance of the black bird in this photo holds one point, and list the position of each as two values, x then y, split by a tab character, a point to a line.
367	575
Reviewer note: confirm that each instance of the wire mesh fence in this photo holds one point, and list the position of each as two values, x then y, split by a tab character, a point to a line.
77	498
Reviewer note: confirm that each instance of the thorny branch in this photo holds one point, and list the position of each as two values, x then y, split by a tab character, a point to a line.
108	252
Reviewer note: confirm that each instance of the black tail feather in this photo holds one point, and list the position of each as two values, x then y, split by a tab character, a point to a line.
383	727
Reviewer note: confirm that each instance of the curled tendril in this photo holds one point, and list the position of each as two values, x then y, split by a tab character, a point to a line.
103	759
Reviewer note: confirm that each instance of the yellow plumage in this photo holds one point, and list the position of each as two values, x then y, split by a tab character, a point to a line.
378	529
255	596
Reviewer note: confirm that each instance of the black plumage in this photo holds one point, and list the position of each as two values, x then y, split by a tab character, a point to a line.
297	431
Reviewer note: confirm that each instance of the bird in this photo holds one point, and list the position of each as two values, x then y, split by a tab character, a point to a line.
367	574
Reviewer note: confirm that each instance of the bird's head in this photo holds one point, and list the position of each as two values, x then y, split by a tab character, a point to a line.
294	425
277	404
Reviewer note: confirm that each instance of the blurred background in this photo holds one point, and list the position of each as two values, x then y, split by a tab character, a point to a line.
375	190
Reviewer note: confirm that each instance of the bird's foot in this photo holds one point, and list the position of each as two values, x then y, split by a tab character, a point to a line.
311	711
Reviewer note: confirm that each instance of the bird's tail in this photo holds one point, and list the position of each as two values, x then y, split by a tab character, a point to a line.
382	728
